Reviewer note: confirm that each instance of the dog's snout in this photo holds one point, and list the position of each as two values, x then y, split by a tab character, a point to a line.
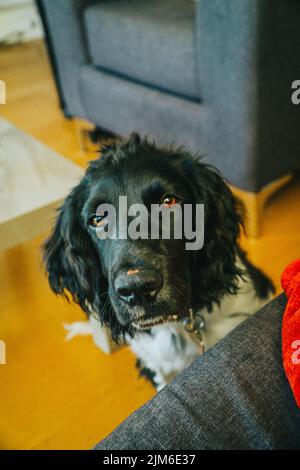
135	285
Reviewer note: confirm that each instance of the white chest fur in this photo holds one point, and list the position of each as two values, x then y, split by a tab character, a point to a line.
169	349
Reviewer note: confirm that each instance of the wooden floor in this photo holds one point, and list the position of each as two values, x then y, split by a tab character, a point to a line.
59	395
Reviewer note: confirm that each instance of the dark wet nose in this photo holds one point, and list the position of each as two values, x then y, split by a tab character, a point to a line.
135	285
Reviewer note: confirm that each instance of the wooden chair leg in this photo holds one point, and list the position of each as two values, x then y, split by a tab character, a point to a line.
83	129
254	204
91	138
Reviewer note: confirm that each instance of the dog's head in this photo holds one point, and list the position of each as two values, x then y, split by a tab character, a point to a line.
136	283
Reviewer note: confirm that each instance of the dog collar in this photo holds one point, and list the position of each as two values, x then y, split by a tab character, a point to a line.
194	325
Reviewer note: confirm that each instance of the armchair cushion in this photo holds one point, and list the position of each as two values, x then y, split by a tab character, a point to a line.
152	42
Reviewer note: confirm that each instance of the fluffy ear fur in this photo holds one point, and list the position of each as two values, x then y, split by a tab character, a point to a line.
69	256
73	265
213	268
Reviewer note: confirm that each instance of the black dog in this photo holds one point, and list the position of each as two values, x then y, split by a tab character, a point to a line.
135	285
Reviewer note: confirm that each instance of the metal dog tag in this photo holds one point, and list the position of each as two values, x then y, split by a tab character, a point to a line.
194	325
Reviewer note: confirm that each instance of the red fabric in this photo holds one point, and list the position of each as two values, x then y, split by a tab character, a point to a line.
290	281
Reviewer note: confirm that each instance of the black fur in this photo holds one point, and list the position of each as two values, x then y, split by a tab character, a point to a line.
79	263
262	284
148	374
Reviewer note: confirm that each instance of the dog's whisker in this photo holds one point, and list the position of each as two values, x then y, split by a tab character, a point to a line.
104	293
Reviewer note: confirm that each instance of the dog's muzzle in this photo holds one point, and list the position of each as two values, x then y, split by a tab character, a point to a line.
135	286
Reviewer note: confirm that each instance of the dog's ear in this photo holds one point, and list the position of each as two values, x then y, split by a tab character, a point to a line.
70	258
214	270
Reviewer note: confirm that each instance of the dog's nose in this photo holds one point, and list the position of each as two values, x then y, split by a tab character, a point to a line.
135	285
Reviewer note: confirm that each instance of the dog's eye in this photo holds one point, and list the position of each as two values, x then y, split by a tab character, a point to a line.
169	200
97	220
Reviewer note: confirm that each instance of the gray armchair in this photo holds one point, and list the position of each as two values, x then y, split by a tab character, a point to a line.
212	75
